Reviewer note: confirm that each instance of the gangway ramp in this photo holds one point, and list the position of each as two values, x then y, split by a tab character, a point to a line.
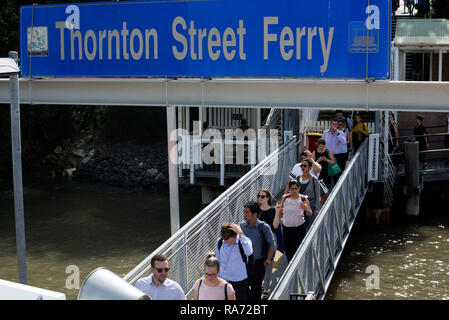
311	270
312	267
186	250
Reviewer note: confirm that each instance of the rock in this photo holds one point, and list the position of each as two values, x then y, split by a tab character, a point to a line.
91	153
68	172
88	138
160	176
79	152
85	160
152	172
58	150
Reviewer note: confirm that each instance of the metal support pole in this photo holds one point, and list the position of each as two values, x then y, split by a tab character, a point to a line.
431	67
440	65
412	175
396	73
16	145
172	172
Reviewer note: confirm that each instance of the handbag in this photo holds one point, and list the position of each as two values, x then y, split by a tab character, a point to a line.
334	169
323	187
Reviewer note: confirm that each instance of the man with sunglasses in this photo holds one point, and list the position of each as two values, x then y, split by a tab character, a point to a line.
157	285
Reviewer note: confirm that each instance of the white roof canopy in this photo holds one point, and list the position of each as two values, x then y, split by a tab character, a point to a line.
8	66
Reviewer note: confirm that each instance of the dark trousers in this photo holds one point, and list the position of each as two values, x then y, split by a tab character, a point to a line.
341	160
241	289
256	273
293	237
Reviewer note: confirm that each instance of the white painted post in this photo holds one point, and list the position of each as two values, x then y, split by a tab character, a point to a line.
181	146
222	164
192	157
396	64
172	174
200	132
386	142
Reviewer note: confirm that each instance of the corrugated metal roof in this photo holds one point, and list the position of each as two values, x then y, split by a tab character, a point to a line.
430	32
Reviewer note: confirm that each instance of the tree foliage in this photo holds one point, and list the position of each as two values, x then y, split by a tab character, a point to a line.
440	9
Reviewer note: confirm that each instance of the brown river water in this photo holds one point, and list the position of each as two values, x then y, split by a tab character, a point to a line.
410	254
86	225
90	226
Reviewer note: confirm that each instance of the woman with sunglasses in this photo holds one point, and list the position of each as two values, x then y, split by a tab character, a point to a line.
310	187
267	214
291	210
211	286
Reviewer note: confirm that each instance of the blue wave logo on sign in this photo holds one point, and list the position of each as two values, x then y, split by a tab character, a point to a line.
361	39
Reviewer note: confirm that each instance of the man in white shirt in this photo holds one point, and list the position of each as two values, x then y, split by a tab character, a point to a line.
157	285
297	171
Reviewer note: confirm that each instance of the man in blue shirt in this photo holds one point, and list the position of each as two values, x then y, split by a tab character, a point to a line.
264	246
233	250
157	285
335	141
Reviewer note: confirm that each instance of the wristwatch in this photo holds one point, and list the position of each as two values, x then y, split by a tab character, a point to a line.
268	261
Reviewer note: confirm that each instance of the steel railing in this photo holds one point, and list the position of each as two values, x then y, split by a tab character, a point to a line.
186	250
315	261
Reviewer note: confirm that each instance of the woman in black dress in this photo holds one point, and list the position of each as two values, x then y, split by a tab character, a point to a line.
267	214
324	157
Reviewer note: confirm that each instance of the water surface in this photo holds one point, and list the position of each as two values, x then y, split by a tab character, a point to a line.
87	225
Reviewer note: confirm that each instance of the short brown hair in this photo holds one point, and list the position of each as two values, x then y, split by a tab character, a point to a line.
321	141
158	257
227	232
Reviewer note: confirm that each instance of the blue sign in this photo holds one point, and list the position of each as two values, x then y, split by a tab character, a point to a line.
229	38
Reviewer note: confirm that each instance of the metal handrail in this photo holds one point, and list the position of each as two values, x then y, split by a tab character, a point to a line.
422	135
187	248
314	263
272	119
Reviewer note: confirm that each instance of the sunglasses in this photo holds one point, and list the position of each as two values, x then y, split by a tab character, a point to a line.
304	166
159	270
261	196
211	275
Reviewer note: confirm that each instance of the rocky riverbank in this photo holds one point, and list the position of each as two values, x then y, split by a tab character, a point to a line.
128	166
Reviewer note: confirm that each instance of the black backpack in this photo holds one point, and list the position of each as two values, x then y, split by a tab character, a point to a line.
251	259
242	252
